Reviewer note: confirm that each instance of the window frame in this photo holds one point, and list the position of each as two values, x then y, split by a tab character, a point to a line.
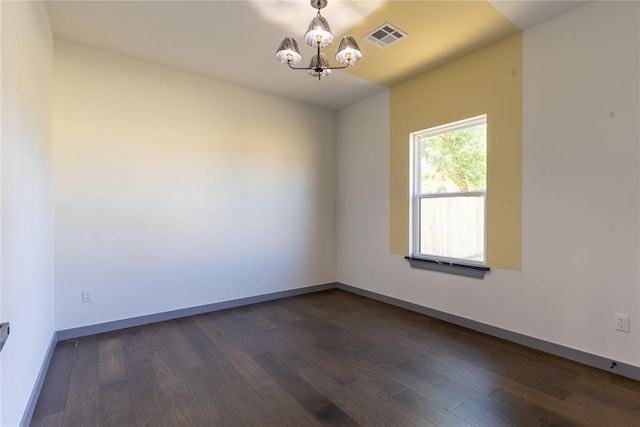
416	196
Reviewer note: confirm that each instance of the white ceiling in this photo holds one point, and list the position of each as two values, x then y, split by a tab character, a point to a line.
235	41
529	13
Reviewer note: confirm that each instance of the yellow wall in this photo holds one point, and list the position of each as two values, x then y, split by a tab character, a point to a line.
486	82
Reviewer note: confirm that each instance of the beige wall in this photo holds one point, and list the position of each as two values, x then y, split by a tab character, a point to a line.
26	287
486	82
174	191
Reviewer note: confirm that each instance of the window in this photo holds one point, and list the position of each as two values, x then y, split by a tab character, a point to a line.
449	181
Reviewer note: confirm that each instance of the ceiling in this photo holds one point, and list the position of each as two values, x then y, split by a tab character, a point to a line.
235	41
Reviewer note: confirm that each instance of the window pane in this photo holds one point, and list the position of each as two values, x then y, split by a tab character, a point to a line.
454	161
452	227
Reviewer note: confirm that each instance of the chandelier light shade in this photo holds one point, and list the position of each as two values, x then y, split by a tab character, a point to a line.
319	66
289	51
348	51
319	33
319	36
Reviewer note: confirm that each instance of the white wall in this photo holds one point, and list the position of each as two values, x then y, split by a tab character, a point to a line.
173	190
26	291
581	192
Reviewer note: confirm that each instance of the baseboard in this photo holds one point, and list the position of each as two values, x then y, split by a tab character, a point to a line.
37	387
620	368
184	312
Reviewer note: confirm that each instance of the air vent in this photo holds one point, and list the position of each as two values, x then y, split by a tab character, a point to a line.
385	36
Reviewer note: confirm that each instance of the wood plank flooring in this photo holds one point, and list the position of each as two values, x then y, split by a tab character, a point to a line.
325	359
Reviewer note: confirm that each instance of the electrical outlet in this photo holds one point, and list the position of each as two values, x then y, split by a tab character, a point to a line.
372	270
622	322
87	295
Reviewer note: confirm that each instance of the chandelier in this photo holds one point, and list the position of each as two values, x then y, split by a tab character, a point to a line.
319	35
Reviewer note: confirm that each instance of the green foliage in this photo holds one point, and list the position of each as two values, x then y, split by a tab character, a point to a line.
454	161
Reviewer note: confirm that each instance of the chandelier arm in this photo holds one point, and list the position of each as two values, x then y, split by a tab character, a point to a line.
297	68
311	68
324	68
336	68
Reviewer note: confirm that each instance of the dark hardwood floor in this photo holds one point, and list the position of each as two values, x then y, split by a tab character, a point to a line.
329	358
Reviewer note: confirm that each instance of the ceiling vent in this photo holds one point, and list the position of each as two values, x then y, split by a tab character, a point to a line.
385	35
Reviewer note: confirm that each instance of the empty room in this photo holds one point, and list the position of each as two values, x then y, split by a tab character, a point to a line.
320	212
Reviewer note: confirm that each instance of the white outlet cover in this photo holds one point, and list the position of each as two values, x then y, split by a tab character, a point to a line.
622	322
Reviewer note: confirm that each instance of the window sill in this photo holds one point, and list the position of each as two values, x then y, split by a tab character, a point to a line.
474	271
